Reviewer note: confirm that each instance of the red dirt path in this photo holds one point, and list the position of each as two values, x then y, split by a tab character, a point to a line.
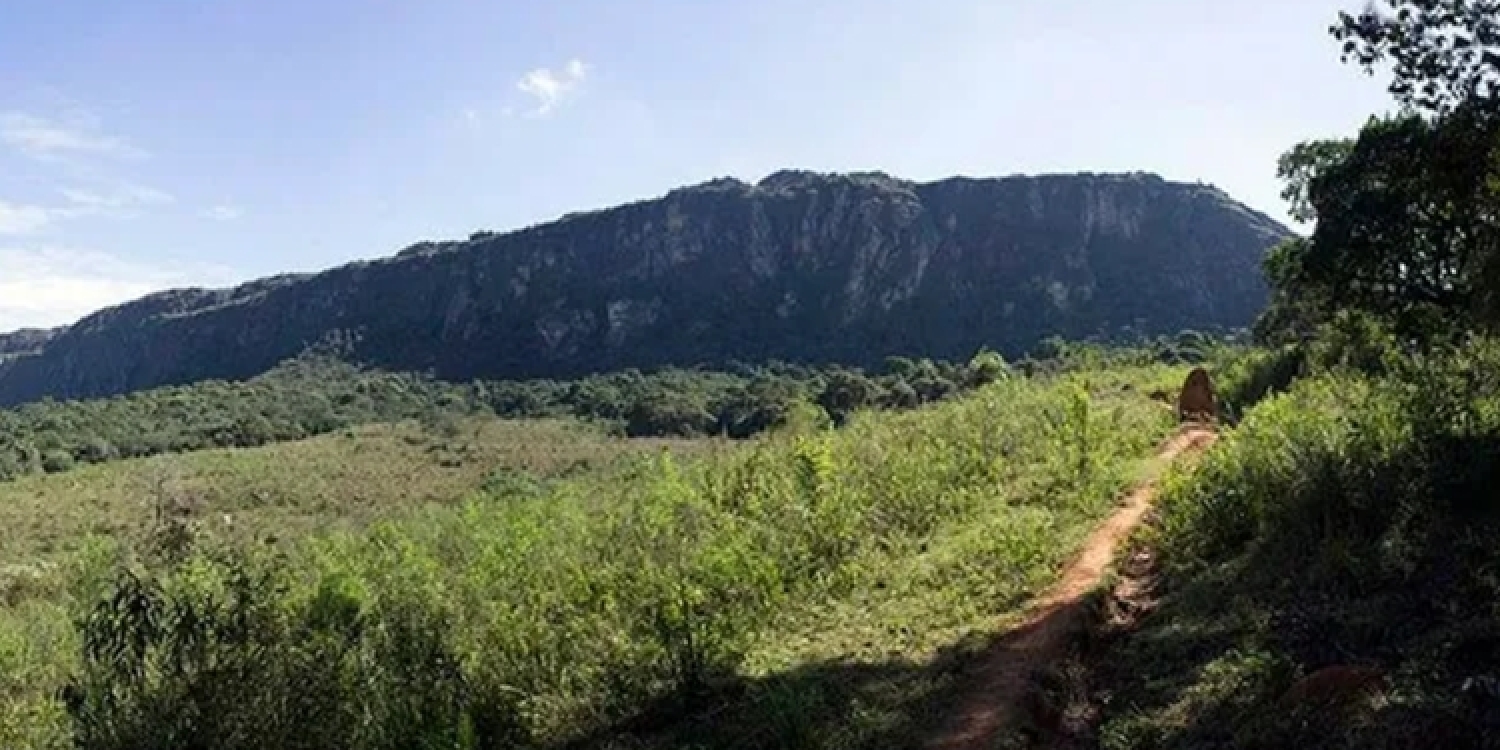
1001	681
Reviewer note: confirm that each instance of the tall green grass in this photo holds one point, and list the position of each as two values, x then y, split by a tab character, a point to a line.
674	602
1350	521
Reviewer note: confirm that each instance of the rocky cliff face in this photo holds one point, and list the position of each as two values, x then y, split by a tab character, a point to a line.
801	266
25	341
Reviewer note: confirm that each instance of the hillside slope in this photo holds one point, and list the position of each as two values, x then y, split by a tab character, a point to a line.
24	341
800	266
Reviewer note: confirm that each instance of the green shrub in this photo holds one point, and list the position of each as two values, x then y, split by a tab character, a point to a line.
55	461
562	608
1348	521
1244	377
219	654
1354	341
316	394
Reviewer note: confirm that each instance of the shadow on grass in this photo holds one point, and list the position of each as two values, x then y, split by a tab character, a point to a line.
839	704
1210	668
1188	679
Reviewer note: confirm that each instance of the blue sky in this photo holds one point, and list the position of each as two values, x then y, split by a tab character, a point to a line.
148	144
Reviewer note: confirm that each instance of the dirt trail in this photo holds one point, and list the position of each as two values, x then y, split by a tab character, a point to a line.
995	699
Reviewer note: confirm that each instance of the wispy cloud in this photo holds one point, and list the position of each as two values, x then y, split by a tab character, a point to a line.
116	201
122	201
223	212
44	282
22	219
50	140
82	160
550	88
48	286
116	197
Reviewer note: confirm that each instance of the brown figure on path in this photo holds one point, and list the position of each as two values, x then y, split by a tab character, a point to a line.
1196	402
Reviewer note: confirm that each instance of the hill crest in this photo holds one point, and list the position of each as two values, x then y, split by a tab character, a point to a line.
800	266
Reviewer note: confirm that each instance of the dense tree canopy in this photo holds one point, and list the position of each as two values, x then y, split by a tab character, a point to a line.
1408	213
318	393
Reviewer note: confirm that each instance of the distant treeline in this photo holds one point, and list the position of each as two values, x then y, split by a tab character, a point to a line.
316	394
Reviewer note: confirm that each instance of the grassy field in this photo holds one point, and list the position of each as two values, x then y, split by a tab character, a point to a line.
809	588
1348	524
60	532
344	479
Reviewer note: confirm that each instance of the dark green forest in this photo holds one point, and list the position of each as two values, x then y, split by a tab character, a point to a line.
318	393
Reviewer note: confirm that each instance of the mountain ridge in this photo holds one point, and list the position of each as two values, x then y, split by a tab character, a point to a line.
720	270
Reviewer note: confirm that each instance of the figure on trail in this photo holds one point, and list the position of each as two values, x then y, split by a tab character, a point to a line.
1196	403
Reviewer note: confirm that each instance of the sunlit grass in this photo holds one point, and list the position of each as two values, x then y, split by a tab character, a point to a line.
801	587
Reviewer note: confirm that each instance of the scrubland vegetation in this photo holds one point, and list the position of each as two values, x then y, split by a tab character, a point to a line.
1328	571
423	575
497	584
1348	522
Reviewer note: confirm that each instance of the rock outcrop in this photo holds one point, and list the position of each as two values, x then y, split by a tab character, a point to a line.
800	267
25	341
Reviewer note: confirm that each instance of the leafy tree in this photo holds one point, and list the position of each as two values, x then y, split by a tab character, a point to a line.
669	413
1296	307
846	392
987	367
902	367
900	395
55	461
932	387
1442	54
1406	222
1052	347
1408	214
1302	164
761	406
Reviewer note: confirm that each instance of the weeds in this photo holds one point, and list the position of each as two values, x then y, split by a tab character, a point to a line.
577	608
1346	523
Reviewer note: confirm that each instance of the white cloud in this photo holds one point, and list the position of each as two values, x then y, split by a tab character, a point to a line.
76	154
43	287
48	287
552	87
50	140
46	301
116	197
223	212
19	219
118	202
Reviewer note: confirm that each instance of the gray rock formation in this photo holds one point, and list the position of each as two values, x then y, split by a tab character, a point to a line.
800	267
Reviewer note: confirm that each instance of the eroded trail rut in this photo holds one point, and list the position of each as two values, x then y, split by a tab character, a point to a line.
994	700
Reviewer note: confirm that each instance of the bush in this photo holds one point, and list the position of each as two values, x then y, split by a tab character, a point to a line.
316	394
1245	377
668	413
55	461
219	654
1354	341
1348	521
845	393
